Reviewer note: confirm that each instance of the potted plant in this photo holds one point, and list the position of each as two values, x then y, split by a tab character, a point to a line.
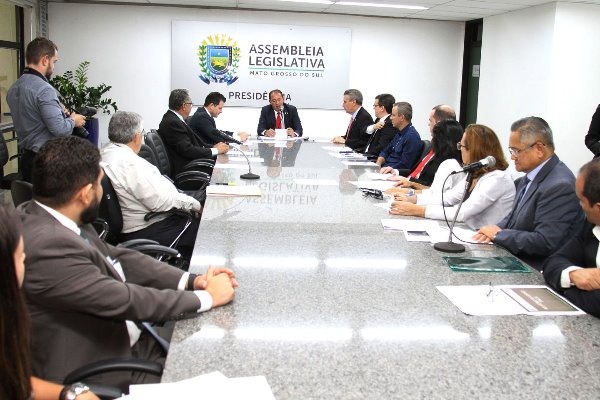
76	96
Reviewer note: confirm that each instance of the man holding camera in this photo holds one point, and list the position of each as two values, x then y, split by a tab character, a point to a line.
37	113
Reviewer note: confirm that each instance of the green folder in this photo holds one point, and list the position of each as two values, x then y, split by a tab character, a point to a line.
486	264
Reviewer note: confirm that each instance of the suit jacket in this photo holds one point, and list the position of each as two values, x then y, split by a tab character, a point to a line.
547	216
380	138
357	137
291	119
203	125
77	301
578	251
181	142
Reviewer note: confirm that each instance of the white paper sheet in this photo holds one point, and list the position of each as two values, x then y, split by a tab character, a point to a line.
360	163
376	176
401	224
337	149
495	300
347	156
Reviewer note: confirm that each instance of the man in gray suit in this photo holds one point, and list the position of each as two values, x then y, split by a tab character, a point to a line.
546	211
82	293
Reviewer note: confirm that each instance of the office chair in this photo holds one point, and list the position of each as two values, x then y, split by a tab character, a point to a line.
110	212
147	154
195	175
425	147
106	392
6	180
21	192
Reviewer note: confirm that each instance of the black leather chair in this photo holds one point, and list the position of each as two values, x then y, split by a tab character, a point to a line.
106	392
195	175
426	146
6	180
21	192
147	154
110	212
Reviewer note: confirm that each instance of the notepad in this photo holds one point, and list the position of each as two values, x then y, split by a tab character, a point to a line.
486	264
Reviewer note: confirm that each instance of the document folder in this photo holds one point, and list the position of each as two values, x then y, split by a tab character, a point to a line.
486	264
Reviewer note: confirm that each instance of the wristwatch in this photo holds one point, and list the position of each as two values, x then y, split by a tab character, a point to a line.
71	392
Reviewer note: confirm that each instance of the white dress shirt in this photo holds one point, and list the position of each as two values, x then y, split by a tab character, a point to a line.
490	201
140	187
440	183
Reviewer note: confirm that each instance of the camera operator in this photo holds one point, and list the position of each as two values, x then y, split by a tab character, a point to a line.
36	111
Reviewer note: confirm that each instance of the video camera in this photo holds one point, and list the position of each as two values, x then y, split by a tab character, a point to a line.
87	112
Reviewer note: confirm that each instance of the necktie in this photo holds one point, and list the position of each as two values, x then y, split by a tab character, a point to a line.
278	120
349	126
417	171
521	191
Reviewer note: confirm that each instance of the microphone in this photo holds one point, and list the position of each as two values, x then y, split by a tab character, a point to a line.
225	137
489	161
248	175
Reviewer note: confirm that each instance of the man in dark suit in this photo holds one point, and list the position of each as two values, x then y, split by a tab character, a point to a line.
592	139
546	211
356	136
182	144
382	131
278	115
81	292
574	270
204	125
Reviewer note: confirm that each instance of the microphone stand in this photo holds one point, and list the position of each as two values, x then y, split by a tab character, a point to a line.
249	174
449	246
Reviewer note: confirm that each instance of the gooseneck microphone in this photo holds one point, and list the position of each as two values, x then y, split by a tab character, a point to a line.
449	246
228	138
489	161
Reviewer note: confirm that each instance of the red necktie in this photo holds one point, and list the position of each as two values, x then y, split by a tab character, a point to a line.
349	126
278	120
419	168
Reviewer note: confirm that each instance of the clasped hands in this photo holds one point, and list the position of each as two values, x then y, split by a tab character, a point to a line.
271	132
219	283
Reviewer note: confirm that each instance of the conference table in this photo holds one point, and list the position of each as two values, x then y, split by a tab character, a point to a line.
332	306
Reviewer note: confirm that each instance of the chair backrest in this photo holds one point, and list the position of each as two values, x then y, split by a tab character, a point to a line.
21	192
3	152
426	146
110	211
155	143
147	154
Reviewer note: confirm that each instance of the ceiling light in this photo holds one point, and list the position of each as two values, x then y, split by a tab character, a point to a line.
310	1
350	3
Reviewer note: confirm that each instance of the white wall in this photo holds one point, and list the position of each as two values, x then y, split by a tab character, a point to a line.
130	48
543	61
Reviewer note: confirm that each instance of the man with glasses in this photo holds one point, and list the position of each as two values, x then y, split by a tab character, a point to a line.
141	189
36	111
382	131
546	211
182	144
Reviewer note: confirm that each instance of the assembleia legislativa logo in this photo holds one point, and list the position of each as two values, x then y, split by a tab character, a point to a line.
218	58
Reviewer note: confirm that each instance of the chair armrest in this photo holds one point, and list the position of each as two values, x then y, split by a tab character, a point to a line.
136	242
156	250
105	392
111	365
200	162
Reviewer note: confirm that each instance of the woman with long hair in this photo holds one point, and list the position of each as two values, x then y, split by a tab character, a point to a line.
16	382
445	160
490	195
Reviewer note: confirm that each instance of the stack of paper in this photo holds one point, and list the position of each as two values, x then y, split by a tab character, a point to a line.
213	386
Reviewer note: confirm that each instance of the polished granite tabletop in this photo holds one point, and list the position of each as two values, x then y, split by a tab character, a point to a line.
331	306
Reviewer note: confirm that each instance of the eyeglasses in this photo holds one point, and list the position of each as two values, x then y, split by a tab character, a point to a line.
188	103
515	152
459	146
377	105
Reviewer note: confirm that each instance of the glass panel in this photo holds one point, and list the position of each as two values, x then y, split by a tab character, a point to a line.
8	21
8	75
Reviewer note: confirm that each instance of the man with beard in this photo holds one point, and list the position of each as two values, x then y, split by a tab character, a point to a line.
83	294
36	111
